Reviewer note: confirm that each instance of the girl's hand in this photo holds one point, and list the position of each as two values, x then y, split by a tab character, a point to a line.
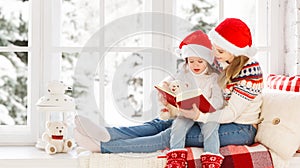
191	114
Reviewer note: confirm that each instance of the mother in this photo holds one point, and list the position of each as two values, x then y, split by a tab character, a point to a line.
241	80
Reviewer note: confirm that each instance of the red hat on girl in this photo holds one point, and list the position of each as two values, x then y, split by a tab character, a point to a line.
234	36
196	44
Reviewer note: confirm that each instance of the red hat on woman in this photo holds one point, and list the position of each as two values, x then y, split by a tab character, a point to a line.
234	36
196	44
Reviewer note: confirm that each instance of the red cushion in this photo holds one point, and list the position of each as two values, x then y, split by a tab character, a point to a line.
285	83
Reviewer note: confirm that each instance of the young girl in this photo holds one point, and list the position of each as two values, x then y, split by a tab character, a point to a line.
242	83
198	73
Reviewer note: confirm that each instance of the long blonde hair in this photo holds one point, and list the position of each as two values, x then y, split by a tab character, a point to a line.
232	70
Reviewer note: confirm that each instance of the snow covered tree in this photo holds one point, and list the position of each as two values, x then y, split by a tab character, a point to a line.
80	22
200	14
13	78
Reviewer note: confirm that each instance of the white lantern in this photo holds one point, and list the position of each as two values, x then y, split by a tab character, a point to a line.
55	105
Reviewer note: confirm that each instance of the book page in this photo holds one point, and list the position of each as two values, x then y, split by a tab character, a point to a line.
188	94
185	100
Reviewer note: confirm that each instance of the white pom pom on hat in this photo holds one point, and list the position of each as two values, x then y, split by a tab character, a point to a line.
196	44
234	36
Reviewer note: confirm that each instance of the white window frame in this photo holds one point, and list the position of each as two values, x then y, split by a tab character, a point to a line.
51	71
157	42
44	65
269	11
27	134
276	36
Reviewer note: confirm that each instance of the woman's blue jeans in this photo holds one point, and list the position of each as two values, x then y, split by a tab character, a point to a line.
155	135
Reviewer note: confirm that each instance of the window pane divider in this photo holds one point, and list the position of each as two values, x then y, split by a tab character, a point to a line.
14	49
95	49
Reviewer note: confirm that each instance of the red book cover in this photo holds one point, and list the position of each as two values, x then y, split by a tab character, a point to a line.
186	99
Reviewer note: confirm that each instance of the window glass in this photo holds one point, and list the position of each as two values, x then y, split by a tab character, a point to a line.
68	64
119	8
247	10
123	88
80	20
136	40
13	88
244	10
117	11
202	14
263	58
14	22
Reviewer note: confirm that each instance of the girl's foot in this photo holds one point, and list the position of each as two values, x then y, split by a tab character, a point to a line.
86	142
86	127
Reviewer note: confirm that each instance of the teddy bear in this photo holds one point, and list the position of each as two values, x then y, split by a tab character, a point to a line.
54	136
170	111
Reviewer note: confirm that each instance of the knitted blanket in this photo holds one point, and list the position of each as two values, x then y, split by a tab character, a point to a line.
254	156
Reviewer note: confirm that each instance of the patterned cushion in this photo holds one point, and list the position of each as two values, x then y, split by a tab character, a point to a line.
284	83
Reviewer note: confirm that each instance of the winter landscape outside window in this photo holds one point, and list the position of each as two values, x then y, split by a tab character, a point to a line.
62	29
13	62
122	51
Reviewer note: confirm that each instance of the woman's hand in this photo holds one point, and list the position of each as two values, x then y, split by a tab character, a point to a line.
191	114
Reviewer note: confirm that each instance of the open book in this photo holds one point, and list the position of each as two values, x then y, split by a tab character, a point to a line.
186	99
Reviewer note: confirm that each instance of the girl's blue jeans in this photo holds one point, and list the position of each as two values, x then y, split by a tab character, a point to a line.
209	131
155	135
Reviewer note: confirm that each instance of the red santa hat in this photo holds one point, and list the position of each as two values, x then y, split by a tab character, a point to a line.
196	44
234	36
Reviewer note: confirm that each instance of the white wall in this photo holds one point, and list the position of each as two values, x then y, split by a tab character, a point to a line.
291	36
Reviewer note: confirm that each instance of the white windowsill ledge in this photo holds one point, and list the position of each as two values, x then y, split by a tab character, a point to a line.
31	157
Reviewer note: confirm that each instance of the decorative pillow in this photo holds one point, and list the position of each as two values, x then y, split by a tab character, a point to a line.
280	82
279	130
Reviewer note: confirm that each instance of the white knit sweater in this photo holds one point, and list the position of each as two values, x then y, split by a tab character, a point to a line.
207	83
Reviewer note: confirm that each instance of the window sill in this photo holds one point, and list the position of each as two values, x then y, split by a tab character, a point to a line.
29	156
